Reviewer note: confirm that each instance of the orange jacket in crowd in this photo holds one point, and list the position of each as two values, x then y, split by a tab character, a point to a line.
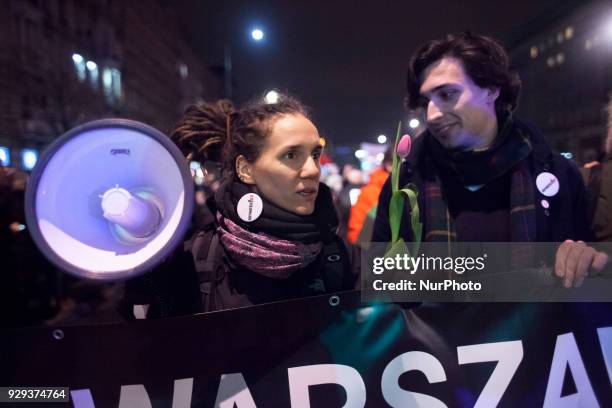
368	198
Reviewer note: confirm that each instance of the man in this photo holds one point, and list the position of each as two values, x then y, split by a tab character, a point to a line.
598	178
482	174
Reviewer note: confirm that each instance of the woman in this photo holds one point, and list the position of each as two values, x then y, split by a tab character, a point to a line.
272	233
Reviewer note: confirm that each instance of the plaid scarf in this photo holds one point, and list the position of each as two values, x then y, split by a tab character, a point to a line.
507	154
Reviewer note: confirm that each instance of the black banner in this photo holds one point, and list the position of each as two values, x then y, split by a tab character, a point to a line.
329	351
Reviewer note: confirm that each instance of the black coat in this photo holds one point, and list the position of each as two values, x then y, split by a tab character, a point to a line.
567	213
200	279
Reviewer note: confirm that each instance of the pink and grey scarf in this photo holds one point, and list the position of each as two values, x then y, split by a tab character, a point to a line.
262	253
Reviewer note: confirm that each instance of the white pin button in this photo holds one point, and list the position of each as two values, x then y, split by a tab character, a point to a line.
547	184
545	204
249	207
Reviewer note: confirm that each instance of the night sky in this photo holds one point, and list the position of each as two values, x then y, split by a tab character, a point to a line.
344	59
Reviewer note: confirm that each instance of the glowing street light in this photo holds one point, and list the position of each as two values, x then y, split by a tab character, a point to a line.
5	156
91	65
257	34
382	139
414	123
272	97
29	157
77	58
361	154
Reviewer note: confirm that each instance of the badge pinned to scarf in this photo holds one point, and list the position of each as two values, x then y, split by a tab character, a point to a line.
249	207
548	184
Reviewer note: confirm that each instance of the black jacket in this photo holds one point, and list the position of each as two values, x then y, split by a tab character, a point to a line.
567	213
599	188
202	277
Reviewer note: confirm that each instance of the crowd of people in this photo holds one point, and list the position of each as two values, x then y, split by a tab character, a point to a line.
267	229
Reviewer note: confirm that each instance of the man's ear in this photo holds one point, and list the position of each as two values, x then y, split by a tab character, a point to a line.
243	170
492	95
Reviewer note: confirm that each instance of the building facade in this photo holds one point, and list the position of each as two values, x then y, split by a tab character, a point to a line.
566	69
65	62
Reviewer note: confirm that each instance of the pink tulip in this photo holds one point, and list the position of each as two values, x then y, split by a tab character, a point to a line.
404	145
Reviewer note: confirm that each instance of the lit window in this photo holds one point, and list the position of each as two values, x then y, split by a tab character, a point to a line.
29	157
533	52
550	62
116	74
107	81
79	66
5	156
560	58
94	73
569	32
183	70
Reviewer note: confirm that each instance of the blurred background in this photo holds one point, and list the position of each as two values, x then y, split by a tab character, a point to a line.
66	62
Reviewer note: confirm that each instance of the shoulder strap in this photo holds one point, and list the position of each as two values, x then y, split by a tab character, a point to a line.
207	254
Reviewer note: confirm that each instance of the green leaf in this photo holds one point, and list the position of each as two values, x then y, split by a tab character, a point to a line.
397	247
396	207
411	192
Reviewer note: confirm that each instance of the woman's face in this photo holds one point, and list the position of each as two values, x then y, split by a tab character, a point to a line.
287	170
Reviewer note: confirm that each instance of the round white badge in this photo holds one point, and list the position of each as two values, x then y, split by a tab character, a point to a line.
547	184
249	207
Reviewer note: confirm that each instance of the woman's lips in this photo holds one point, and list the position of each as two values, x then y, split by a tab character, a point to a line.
307	192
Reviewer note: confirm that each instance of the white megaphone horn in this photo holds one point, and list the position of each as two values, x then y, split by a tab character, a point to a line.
109	199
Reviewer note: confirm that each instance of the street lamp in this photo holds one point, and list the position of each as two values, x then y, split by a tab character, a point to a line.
272	97
382	139
257	34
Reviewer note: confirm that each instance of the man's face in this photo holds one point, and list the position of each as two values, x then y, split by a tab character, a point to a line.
460	114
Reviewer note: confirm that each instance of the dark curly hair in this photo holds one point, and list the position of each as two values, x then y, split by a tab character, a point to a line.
217	131
483	58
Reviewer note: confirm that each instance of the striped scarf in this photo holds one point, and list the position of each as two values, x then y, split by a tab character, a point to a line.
508	155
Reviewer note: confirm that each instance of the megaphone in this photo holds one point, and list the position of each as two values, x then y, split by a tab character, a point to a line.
109	199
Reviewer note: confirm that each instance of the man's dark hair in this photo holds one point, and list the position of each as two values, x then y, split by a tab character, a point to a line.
483	58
